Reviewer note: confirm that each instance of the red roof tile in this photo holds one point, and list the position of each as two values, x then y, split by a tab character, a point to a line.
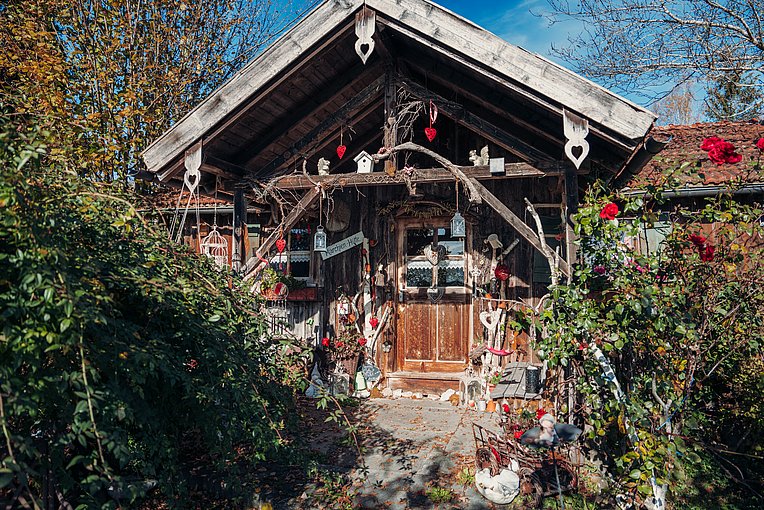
685	147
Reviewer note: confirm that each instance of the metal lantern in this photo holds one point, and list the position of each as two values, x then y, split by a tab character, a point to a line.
319	240
458	226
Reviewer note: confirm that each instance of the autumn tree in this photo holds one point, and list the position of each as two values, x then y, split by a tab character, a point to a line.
111	75
648	46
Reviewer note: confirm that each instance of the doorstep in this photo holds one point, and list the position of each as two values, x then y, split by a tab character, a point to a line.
427	383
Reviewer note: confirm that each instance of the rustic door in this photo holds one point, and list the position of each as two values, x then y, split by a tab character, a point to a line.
433	328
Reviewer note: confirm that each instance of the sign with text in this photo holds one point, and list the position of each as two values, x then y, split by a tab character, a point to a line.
343	245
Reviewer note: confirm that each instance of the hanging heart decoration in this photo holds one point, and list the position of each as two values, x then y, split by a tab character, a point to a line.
434	256
280	244
341	151
490	320
430	132
435	293
373	322
501	272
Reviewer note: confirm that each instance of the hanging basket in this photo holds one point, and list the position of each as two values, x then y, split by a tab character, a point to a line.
347	365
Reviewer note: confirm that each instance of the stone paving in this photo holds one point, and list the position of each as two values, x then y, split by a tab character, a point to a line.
412	445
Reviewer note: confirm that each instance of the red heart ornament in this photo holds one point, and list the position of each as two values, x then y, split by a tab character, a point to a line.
373	322
430	133
280	245
341	151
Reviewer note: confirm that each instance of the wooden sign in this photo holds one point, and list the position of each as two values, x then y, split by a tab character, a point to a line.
344	245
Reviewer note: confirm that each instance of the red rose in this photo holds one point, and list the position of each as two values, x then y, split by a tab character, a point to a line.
505	407
362	341
373	322
760	144
518	434
540	413
707	255
609	212
710	142
325	342
724	152
697	240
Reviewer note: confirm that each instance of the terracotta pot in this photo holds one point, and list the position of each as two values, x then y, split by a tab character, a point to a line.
491	406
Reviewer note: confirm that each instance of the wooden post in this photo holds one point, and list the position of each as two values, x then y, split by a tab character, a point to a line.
239	229
391	123
570	207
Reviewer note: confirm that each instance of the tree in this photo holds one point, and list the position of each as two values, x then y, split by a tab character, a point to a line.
640	46
112	75
734	97
678	107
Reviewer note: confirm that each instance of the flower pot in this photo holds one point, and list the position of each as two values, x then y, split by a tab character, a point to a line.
490	406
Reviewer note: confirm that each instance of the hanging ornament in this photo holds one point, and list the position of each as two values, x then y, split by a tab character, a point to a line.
280	244
458	224
373	322
431	132
501	272
341	147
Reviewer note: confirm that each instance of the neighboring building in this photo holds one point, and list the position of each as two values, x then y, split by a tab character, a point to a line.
357	76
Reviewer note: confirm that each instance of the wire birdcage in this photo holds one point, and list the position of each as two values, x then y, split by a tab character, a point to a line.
215	246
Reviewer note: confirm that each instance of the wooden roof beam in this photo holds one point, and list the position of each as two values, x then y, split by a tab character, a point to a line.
481	126
312	109
317	136
420	176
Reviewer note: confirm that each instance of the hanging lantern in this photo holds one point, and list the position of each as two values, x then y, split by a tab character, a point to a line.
458	225
319	240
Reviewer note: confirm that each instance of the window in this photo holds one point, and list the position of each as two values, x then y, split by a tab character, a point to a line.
295	260
418	268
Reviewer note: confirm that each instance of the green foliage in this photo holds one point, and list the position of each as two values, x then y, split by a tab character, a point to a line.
682	327
438	494
123	357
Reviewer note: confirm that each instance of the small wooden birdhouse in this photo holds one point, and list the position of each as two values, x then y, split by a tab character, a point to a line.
365	162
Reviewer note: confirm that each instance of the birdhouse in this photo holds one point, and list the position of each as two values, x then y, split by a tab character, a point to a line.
365	162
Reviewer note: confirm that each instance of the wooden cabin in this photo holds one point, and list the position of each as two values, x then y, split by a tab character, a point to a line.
377	122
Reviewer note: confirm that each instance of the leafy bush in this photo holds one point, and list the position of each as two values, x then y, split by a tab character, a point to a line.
682	329
124	359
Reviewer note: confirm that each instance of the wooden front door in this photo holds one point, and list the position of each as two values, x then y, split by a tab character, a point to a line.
432	336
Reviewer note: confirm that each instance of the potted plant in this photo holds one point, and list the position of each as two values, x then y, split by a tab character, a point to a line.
492	379
344	351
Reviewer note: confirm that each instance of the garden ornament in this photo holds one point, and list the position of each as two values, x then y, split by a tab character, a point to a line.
500	489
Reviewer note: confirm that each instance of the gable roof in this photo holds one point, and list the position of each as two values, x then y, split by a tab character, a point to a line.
684	146
263	117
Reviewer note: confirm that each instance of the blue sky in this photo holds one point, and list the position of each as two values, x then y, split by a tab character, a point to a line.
516	22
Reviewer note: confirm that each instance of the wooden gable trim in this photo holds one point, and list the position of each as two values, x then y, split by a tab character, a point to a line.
237	93
443	28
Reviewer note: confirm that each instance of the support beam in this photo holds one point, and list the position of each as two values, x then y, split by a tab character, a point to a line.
481	126
256	263
318	134
313	108
420	176
518	224
391	124
239	228
570	207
